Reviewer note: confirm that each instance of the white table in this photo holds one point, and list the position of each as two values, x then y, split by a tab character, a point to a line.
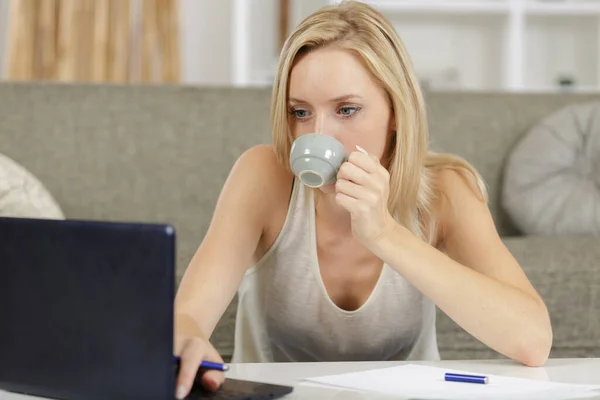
582	370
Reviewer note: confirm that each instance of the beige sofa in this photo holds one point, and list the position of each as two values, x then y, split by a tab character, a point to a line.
161	154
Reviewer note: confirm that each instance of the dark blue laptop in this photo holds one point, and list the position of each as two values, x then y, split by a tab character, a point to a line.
86	312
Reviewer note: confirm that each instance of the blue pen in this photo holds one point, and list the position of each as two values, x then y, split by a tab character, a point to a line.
450	377
213	365
208	365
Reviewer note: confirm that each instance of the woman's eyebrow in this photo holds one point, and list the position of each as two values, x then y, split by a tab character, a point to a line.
293	100
345	97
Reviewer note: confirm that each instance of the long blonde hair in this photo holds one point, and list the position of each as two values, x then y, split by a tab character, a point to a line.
361	28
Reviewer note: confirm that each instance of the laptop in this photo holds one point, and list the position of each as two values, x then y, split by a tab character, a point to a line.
86	312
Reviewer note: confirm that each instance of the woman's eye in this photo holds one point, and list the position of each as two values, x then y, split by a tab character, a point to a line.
348	111
300	114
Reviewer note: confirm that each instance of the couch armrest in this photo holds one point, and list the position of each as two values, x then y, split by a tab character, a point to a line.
565	270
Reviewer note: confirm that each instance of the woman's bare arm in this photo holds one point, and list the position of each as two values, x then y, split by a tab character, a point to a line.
217	268
477	282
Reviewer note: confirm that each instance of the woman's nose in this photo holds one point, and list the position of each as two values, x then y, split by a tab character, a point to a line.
319	126
326	125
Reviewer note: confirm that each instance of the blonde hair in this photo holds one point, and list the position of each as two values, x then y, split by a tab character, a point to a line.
360	28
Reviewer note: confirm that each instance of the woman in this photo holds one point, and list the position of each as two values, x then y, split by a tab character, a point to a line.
353	271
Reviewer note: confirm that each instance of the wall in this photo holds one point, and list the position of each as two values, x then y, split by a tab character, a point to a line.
205	39
3	29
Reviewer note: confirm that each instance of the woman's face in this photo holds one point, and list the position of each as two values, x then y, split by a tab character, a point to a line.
331	92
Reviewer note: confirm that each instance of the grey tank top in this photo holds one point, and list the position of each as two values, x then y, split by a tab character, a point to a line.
285	314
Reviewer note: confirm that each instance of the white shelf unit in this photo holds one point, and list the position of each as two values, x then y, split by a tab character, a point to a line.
552	37
240	43
440	6
562	8
508	45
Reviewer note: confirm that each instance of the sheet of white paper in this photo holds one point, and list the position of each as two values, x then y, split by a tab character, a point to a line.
423	382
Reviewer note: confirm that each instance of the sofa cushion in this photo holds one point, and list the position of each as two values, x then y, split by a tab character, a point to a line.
552	176
23	195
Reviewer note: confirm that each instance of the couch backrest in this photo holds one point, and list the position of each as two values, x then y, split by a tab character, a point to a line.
162	153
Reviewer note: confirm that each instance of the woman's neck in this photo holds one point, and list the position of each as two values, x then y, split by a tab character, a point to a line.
330	213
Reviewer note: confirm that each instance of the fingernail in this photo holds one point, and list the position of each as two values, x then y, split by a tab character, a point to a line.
180	392
361	149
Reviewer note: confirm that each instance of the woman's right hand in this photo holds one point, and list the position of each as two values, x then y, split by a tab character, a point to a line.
192	350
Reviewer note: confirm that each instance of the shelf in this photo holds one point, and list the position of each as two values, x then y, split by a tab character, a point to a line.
441	6
557	89
511	45
563	9
486	7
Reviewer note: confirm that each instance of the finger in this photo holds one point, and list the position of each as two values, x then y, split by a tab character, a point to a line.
190	358
350	189
374	158
354	173
179	344
363	161
361	149
213	379
346	202
361	158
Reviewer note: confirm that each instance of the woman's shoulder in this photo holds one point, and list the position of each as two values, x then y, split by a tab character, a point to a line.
261	162
453	185
261	172
454	190
269	191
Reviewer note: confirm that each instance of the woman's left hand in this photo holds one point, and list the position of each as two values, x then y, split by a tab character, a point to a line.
362	189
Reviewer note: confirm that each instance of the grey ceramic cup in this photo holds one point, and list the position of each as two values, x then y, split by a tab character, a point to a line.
315	159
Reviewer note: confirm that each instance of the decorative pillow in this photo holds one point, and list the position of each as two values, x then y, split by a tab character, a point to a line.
23	195
552	177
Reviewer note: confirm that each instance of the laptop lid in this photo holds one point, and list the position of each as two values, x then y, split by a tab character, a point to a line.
74	297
